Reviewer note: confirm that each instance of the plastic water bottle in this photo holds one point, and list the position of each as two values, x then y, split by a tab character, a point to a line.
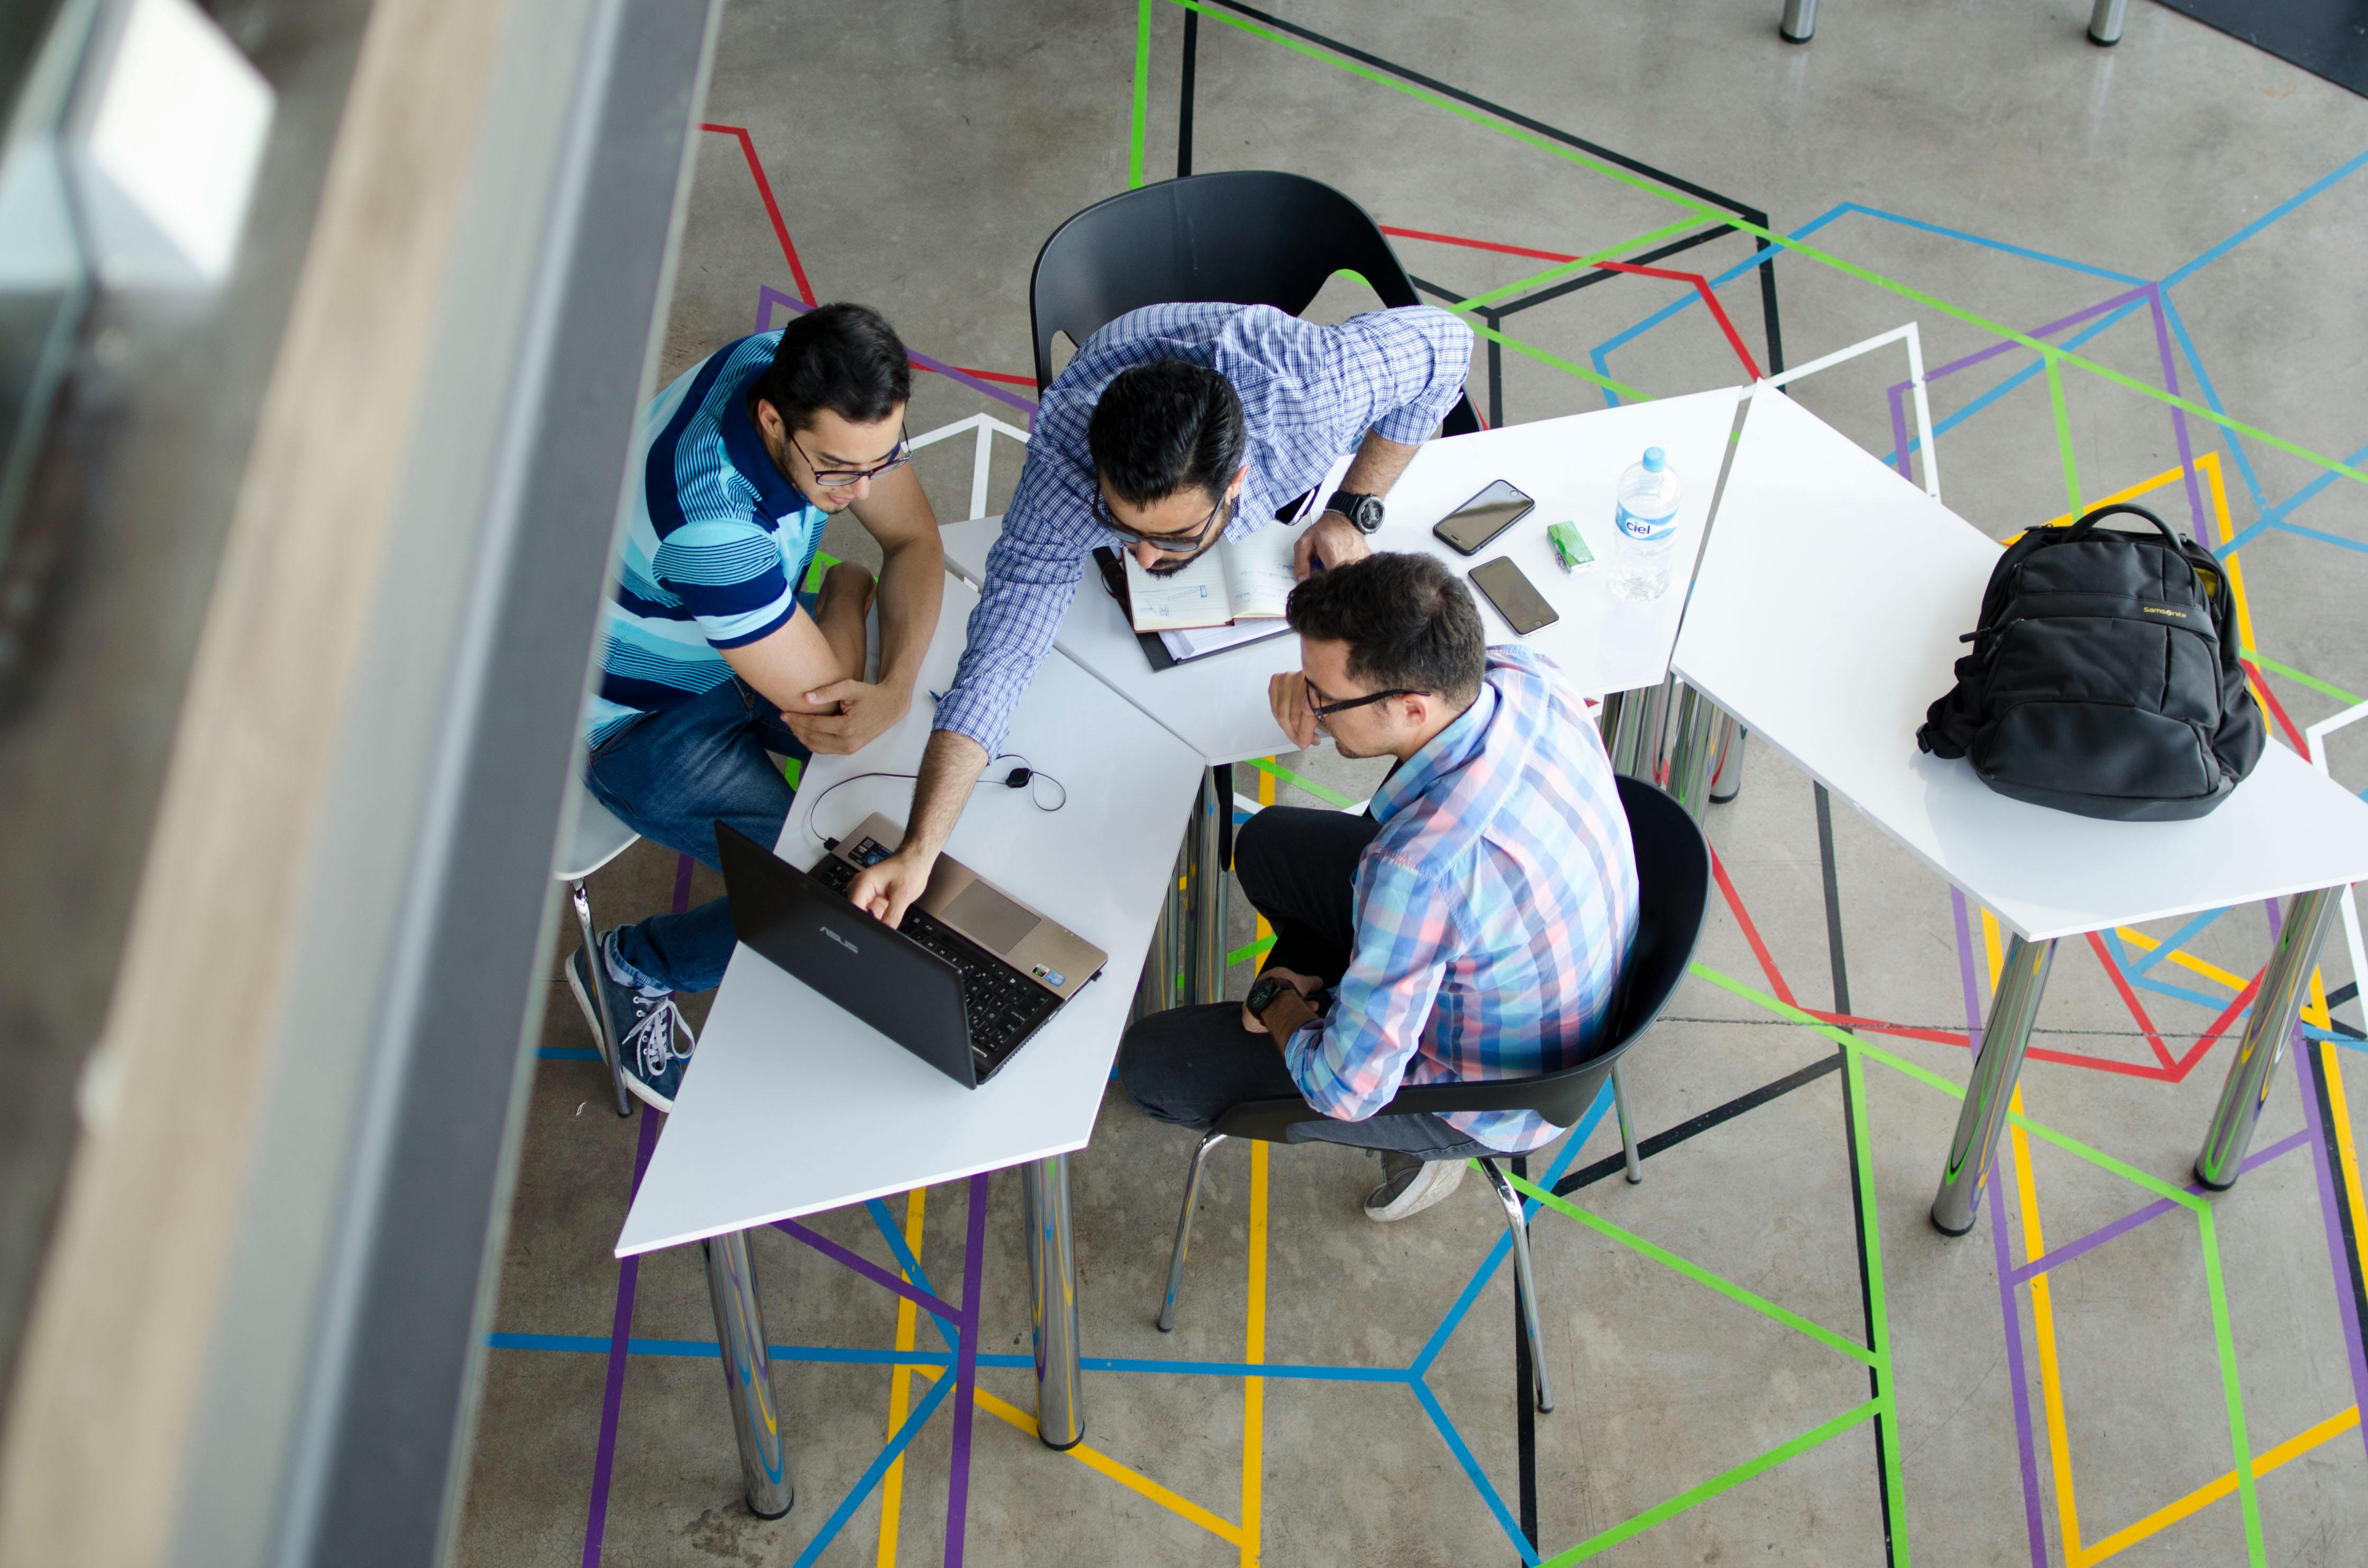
1647	525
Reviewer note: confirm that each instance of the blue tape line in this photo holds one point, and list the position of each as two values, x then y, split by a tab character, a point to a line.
1472	1468
906	1433
2306	193
2322	537
2035	368
567	1054
2170	944
1504	1243
2025	251
914	1274
707	1349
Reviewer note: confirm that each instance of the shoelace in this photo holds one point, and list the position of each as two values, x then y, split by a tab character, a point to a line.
651	1039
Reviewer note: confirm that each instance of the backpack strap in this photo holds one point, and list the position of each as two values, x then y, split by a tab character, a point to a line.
2088	521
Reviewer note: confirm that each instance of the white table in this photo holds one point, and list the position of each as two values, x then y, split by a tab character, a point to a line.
1570	466
1826	618
792	1105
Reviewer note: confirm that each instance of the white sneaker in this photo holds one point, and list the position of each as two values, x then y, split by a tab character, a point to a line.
1410	1185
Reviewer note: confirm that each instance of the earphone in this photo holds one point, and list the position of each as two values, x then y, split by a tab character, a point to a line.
1020	777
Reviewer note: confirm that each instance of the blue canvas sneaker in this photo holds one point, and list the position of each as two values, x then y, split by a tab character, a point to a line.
657	1041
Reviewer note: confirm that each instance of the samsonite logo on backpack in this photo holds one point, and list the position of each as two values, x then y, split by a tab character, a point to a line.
2103	678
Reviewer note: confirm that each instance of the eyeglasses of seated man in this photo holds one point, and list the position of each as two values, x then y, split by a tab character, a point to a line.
836	459
1322	700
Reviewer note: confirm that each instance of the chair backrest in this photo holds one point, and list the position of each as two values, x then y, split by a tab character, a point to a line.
1248	236
1673	900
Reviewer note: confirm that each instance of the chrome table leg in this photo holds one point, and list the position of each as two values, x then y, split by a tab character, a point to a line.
592	966
1184	1230
2005	1036
2266	1029
1053	1274
747	1373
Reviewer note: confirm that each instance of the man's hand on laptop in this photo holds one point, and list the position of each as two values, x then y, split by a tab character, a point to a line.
864	712
886	889
1286	693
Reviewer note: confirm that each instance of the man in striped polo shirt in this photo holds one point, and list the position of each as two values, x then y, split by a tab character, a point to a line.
1470	927
710	664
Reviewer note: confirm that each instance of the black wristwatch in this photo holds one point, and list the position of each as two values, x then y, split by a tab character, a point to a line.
1365	511
1263	991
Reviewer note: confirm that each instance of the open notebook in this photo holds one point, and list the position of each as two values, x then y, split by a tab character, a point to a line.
1230	596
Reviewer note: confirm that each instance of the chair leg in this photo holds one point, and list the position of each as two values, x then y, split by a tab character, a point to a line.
1184	1231
1525	1283
604	1034
1627	1131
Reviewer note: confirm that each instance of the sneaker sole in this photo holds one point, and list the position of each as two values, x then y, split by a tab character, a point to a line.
639	1090
1422	1193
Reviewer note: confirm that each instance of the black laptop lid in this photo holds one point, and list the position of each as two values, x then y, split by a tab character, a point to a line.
898	987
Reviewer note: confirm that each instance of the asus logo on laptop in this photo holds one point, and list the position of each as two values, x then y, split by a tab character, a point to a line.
840	939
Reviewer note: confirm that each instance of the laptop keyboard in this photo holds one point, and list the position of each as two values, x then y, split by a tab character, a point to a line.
1000	1005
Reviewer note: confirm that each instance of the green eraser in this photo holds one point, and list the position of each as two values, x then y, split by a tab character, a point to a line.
1568	548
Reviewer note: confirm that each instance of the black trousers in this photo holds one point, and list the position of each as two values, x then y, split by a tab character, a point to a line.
1190	1065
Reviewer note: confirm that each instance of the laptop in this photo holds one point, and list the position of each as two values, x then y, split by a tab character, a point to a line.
969	976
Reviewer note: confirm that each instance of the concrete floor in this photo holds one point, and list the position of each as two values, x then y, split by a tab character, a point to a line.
1990	159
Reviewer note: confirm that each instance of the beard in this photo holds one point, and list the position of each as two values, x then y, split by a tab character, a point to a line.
1169	565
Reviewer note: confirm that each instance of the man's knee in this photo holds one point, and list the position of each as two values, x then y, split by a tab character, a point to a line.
1260	845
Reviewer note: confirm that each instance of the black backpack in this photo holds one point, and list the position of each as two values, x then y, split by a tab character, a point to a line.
2103	678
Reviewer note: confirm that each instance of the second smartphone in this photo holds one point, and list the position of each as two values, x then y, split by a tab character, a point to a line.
1482	519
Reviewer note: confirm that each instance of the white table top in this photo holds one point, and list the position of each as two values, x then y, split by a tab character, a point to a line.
791	1105
1826	618
1569	465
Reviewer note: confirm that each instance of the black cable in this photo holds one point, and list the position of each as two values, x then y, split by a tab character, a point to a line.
1021	777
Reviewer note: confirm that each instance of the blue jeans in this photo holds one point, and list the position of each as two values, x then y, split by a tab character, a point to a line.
671	776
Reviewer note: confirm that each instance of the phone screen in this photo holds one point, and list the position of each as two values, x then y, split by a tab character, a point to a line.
1483	517
1524	608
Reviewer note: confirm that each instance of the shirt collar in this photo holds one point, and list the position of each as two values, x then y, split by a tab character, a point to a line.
1441	755
745	447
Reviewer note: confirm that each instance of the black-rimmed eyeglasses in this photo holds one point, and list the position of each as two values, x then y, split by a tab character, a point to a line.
1320	711
1191	540
841	478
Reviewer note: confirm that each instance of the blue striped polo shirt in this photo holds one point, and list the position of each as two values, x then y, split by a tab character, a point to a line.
718	542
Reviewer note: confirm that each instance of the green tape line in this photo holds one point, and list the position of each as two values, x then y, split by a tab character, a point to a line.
1878	1318
1697	1273
1253	951
1564	268
1142	95
1276	770
1711	1488
2322	687
793	770
2064	435
2240	1442
1797	248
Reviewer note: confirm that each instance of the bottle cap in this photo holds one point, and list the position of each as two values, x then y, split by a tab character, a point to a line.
1655	459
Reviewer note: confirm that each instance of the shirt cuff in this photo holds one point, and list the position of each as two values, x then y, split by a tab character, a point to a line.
968	711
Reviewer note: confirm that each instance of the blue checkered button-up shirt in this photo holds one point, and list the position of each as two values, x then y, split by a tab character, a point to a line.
1493	910
1309	395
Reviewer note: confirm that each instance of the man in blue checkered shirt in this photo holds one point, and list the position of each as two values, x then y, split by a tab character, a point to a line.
1174	426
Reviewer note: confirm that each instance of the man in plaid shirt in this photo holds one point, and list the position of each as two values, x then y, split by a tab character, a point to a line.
1174	426
1471	928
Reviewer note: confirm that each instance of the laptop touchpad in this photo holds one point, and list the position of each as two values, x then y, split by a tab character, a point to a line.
988	918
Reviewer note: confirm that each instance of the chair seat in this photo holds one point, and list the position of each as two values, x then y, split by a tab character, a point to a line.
600	837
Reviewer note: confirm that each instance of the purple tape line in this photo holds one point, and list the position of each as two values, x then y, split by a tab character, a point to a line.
2016	1379
2346	1303
1899	431
620	1330
2177	414
869	1270
2003	345
965	1375
2154	1211
768	296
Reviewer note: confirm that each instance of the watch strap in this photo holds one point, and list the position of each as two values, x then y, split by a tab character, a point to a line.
1357	508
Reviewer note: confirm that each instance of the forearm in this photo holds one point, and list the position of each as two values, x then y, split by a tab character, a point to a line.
911	585
950	767
1284	1017
1377	465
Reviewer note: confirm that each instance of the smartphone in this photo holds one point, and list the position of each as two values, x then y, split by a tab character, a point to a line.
1483	517
1524	608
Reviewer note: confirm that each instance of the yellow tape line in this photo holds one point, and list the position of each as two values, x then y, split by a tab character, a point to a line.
2213	1490
1094	1459
1254	1352
2346	1157
892	1485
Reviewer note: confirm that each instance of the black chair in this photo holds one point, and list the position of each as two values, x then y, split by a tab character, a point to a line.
1673	883
1250	236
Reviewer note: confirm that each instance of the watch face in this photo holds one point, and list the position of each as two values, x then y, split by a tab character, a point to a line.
1368	513
1263	994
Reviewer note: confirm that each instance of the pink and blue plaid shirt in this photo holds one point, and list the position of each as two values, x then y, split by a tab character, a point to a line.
1493	911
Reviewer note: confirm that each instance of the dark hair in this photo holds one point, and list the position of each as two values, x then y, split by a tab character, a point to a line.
840	356
1408	622
1161	426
